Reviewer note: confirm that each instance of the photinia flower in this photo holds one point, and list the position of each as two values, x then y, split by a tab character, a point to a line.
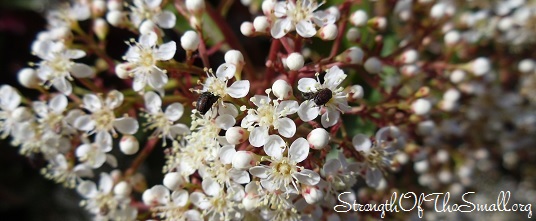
56	68
101	201
150	10
328	94
283	170
217	204
163	122
141	61
221	170
268	115
217	84
10	112
94	154
299	16
170	207
51	118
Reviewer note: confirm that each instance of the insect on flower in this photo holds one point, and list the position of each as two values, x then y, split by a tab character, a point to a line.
320	97
205	101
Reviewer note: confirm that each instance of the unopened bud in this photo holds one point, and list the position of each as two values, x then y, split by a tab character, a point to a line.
295	61
173	181
100	27
261	24
122	70
147	26
353	55
98	7
236	58
359	18
236	135
355	91
116	18
452	37
378	23
526	66
318	138
457	76
190	41
28	78
247	29
329	32
243	160
129	145
268	7
114	5
421	106
334	10
353	34
409	70
122	189
409	56
195	7
480	66
281	89
373	65
312	194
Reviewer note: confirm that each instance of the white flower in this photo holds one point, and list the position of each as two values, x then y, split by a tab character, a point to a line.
57	67
221	170
170	207
142	58
101	202
94	154
283	170
51	118
217	84
150	10
102	118
66	15
339	174
268	116
63	172
217	204
164	122
299	16
10	112
328	94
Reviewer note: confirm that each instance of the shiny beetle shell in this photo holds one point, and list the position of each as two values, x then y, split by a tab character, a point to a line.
205	102
322	97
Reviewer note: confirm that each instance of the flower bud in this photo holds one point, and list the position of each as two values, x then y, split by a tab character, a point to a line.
457	76
281	89
190	41
122	189
236	135
312	194
243	160
439	10
100	27
373	65
115	18
525	66
295	61
236	58
378	23
122	70
247	29
359	18
448	105
506	23
28	78
355	91
452	37
353	55
115	5
318	138
329	32
421	106
353	34
409	70
147	26
451	95
334	10
409	56
261	24
421	166
195	7
480	66
268	7
173	181
98	7
129	145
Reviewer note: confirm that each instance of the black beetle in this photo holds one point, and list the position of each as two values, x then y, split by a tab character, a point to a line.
320	98
205	102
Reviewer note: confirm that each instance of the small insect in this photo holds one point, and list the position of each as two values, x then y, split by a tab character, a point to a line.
205	102
320	97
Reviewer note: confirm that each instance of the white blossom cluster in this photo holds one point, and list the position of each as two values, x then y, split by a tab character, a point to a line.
283	143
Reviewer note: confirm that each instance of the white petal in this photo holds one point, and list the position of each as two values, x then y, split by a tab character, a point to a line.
239	176
259	136
238	89
9	97
200	200
148	40
114	99
84	123
332	166
178	129
330	118
111	160
74	54
62	85
140	80
289	107
82	150
225	121
103	139
226	154
260	100
106	183
225	71
306	29
286	127
211	187
92	102
260	171
153	102
166	51
180	198
98	159
126	125
373	177
307	85
308	177
88	189
227	108
40	108
308	111
299	150
334	77
361	142
160	194
280	28
165	19
157	79
58	103
174	111
152	3
82	70
275	146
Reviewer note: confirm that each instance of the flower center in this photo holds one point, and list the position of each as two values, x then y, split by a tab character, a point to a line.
147	59
217	87
59	65
103	120
266	114
283	167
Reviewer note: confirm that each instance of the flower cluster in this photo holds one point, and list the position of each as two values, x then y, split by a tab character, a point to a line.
411	94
